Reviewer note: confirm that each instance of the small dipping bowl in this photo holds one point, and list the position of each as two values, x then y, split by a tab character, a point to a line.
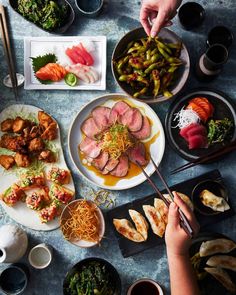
14	279
19	77
89	8
145	286
214	187
40	256
191	15
220	35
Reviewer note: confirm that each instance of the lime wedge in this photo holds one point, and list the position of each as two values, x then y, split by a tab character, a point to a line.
71	79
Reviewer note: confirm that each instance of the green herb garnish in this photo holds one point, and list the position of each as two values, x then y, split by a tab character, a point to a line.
220	130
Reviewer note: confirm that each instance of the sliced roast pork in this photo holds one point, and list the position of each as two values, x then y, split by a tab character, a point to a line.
145	130
101	117
101	161
117	110
90	147
90	128
122	168
111	165
138	154
133	119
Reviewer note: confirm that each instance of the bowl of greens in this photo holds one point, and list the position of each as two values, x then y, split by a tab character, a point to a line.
92	276
54	16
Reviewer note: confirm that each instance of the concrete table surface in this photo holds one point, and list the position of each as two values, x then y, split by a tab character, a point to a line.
117	19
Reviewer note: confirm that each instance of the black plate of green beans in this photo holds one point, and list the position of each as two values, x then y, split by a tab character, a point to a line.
151	69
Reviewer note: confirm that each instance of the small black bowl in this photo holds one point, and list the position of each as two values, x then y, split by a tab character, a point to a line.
67	22
110	268
220	35
213	186
191	15
89	8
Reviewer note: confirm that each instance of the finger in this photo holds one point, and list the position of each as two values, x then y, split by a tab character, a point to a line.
144	19
159	22
153	16
173	216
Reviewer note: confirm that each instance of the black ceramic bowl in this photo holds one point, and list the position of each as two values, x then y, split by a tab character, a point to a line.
214	187
191	15
89	8
67	22
169	37
220	35
115	278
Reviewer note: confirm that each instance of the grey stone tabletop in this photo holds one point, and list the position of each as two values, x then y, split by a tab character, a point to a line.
117	18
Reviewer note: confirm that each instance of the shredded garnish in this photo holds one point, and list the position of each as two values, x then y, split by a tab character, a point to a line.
82	222
116	140
185	118
102	198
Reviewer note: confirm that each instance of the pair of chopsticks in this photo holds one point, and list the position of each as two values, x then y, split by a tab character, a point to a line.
7	49
209	157
183	220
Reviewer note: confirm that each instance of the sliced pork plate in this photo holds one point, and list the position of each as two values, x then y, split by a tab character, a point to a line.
145	130
90	128
122	168
90	147
137	154
101	161
117	110
133	119
111	165
101	117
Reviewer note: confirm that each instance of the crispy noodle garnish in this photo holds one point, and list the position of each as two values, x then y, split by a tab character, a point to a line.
116	140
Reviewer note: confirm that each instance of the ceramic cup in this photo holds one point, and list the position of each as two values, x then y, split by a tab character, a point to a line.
89	8
145	286
40	256
220	35
14	279
191	15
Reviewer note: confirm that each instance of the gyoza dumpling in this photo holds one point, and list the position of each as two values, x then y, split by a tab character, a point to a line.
214	202
126	228
184	197
161	208
140	223
223	277
216	246
157	224
223	261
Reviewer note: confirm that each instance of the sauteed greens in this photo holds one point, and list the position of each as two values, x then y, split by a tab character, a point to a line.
220	130
93	279
47	14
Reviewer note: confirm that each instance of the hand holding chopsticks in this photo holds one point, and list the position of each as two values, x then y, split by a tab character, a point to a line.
183	220
7	49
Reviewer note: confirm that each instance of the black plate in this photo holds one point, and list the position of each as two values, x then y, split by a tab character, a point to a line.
224	108
210	285
77	267
129	248
67	23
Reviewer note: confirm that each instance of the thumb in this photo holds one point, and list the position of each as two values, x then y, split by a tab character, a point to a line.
158	23
173	216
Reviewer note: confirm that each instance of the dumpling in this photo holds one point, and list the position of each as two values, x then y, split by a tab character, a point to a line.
157	224
140	223
214	202
185	198
161	208
223	261
216	246
223	277
125	228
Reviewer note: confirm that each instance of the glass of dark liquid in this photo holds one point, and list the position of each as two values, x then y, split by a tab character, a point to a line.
145	287
14	279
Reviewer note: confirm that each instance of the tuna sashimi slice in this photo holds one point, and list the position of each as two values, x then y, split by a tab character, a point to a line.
197	130
197	141
122	168
74	56
101	117
90	147
133	119
90	128
145	130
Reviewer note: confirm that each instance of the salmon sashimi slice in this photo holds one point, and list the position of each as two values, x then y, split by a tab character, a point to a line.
51	71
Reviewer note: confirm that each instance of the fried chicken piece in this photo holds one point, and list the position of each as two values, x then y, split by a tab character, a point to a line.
19	124
51	132
22	160
6	125
36	131
7	161
14	143
44	119
36	145
47	156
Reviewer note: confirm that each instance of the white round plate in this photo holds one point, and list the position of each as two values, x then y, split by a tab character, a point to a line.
75	137
20	212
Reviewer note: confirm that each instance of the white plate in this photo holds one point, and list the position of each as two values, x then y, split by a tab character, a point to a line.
20	212
35	46
75	137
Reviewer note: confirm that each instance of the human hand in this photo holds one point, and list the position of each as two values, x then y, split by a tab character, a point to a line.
177	240
159	12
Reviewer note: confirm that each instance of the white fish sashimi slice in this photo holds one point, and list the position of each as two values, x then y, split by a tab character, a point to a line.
79	72
94	73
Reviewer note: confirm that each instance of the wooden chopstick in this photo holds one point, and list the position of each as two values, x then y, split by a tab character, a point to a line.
7	49
211	156
183	220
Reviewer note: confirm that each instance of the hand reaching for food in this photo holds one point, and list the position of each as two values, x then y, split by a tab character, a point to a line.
155	14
